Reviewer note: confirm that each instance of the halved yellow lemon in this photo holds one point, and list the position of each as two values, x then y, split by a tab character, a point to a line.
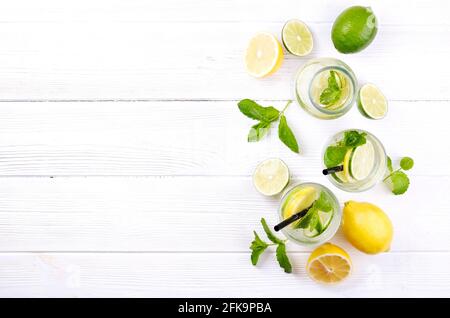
264	55
329	264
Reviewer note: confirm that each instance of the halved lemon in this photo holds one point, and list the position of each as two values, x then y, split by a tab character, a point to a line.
329	264
371	102
264	55
297	38
271	176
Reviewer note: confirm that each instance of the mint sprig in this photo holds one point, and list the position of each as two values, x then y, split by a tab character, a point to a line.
333	92
311	219
398	180
334	155
255	111
266	116
258	247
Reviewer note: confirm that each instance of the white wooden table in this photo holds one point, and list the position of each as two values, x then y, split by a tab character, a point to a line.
125	169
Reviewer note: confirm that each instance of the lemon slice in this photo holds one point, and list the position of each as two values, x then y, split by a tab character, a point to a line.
264	55
297	38
271	177
362	161
299	200
344	176
329	264
371	102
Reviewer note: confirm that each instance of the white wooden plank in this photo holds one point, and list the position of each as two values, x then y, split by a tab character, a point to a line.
215	274
142	60
187	214
196	138
400	12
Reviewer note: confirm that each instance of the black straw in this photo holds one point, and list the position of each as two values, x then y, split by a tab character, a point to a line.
291	219
332	170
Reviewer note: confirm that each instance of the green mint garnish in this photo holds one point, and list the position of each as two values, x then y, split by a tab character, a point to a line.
258	247
332	93
324	202
353	139
311	219
283	259
286	135
255	111
334	155
397	180
266	116
258	131
269	233
389	164
406	163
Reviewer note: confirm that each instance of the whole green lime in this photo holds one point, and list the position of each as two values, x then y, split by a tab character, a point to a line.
354	29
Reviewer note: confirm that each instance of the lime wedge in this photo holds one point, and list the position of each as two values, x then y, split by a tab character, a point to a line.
371	102
271	176
362	161
297	38
311	233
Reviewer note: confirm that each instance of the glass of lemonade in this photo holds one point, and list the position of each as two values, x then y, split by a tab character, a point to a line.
326	88
354	160
320	222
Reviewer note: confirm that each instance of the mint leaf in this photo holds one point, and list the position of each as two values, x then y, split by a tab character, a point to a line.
306	220
283	259
314	221
324	203
334	156
269	233
258	247
286	135
399	182
332	93
332	80
329	96
389	164
255	111
353	139
406	163
258	131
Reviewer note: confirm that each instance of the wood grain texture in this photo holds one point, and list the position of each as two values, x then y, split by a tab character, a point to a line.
215	274
121	57
230	11
152	194
187	214
197	138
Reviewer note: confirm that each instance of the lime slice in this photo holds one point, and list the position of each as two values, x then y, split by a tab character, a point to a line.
271	176
297	38
325	219
299	200
362	161
371	102
311	233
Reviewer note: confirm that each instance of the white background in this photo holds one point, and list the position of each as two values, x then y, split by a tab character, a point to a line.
124	165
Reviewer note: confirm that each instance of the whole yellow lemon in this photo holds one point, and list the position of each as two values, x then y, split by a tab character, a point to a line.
367	227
